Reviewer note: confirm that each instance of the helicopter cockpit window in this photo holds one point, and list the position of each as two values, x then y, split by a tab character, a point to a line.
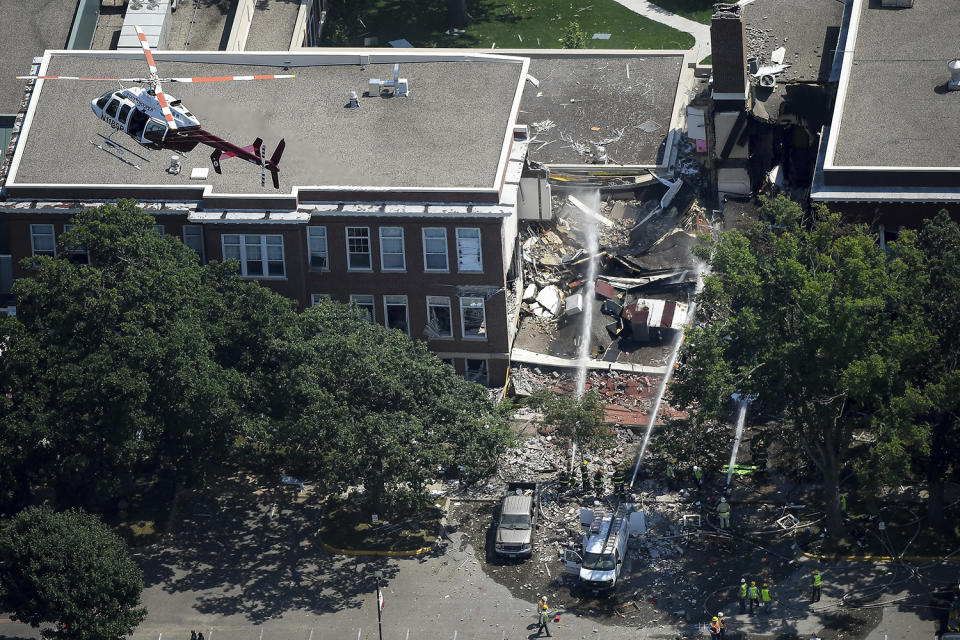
102	100
137	122
112	108
155	131
124	112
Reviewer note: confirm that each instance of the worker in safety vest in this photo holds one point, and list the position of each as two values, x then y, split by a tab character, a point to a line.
816	586
698	475
715	628
723	510
743	595
723	626
754	596
765	596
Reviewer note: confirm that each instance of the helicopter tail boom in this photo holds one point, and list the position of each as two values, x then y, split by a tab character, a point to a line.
223	149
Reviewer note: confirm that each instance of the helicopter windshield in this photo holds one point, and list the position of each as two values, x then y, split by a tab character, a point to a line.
102	100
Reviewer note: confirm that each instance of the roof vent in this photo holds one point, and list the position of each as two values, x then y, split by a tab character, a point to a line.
954	67
352	101
397	87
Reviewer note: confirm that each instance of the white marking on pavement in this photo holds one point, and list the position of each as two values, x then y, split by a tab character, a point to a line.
454	634
408	634
311	634
358	633
261	632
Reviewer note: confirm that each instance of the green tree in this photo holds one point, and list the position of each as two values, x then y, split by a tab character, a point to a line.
69	570
579	420
110	367
797	313
918	431
574	37
395	411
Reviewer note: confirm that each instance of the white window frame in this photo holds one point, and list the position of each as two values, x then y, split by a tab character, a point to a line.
263	246
198	228
464	305
365	302
76	251
317	297
317	235
462	236
35	232
384	253
426	254
350	266
391	301
440	302
485	381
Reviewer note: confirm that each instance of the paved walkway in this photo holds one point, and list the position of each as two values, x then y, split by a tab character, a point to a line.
700	32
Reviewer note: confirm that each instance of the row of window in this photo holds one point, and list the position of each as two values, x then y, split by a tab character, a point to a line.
393	249
396	315
262	256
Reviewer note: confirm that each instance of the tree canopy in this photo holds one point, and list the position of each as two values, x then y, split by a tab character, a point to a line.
145	361
70	571
579	420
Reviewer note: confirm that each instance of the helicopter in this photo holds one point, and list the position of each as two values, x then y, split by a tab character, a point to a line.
158	120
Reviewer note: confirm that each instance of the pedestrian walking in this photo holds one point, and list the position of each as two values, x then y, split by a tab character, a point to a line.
743	595
193	635
723	510
765	596
715	628
816	586
544	617
754	596
698	475
723	626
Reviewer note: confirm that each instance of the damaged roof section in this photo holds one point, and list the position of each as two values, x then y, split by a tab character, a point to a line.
624	103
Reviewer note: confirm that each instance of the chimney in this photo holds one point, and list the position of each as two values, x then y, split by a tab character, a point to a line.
728	37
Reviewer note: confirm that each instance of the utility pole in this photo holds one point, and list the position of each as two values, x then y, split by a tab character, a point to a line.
379	574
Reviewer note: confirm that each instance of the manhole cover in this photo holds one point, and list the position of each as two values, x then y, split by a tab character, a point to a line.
648	126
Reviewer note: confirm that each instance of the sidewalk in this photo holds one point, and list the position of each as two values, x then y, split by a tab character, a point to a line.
700	32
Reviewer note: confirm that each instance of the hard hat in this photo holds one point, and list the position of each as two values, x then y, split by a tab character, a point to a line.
722	499
672	461
584	463
743	580
752	583
715	619
765	584
720	614
816	570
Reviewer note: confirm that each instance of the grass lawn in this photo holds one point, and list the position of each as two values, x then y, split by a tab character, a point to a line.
513	24
707	61
347	526
698	10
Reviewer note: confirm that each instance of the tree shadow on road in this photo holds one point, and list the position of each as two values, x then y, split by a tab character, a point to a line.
250	545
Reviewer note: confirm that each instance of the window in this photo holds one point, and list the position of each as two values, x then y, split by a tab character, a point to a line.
159	229
102	100
259	256
193	238
317	246
391	249
42	240
468	250
435	249
124	112
473	318
112	108
476	371
315	298
439	323
78	254
395	308
6	274
365	303
358	248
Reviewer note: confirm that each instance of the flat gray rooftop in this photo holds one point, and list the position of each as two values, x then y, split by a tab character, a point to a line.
896	111
272	26
27	29
448	133
808	30
586	99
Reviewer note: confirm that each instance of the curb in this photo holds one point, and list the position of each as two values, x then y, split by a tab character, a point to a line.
880	558
370	552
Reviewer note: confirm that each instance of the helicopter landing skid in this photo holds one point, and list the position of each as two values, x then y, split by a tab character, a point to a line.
118	151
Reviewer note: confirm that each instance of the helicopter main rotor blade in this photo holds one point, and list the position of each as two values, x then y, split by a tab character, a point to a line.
81	78
151	63
164	107
229	78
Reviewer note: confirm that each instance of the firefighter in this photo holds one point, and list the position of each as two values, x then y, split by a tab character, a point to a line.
598	480
671	474
758	451
619	481
585	475
723	510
